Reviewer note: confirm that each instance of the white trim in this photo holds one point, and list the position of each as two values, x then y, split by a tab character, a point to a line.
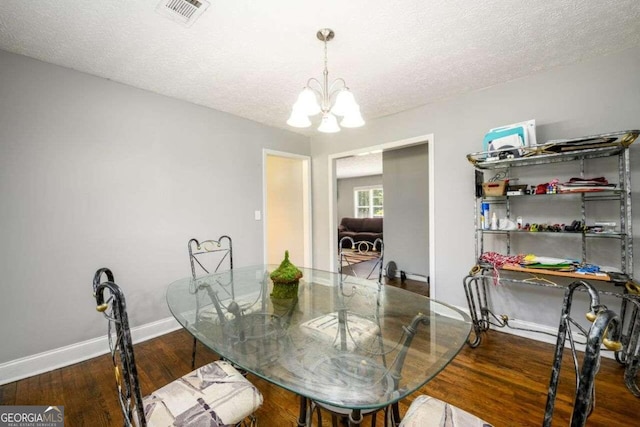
417	278
333	215
306	201
29	366
431	153
368	187
537	336
544	337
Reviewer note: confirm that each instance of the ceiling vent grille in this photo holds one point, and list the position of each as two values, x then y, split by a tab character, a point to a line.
182	11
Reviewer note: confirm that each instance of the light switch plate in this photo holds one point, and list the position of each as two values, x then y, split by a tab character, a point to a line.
257	215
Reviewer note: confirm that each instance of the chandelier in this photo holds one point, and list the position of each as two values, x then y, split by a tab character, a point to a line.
334	100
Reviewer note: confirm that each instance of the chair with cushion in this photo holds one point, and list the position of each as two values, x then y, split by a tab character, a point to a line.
207	257
214	395
427	411
393	374
345	330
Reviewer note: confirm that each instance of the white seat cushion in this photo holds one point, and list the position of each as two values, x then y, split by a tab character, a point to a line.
360	330
427	411
213	395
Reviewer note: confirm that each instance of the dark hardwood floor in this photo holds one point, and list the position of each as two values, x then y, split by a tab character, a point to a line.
504	381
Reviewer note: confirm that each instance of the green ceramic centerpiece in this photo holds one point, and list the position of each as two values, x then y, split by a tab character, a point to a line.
285	279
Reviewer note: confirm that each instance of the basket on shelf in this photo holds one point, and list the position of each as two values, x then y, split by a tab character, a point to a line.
495	188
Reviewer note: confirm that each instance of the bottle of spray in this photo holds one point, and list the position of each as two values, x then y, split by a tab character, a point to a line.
484	216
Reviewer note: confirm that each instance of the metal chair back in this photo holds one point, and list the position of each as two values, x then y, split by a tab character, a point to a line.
605	324
207	256
111	303
352	252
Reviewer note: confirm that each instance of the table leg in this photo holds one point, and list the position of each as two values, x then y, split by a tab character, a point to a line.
355	418
395	413
302	419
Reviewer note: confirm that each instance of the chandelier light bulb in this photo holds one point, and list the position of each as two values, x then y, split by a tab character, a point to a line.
298	119
345	103
329	124
353	119
308	102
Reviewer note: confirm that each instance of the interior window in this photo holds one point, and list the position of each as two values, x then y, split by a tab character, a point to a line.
368	202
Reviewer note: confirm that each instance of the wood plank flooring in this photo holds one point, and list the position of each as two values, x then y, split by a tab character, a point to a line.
504	381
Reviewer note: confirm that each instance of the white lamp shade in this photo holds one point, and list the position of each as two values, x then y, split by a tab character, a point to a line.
308	102
298	119
353	120
345	103
329	124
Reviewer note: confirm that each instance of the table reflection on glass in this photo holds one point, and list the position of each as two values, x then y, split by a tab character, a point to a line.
344	341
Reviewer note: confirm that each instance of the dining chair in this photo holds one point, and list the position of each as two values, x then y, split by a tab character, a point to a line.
352	252
604	329
207	257
214	395
392	374
630	336
347	331
427	411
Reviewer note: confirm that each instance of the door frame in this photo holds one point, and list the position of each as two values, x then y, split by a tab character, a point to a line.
306	201
333	214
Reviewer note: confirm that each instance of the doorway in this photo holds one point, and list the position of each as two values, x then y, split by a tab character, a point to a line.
408	167
287	207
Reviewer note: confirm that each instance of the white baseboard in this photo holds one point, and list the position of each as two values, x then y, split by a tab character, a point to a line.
28	366
538	336
417	277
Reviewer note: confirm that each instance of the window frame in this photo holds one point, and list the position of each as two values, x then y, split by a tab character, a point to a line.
371	207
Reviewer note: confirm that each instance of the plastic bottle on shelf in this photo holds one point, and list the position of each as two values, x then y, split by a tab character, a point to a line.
484	216
494	222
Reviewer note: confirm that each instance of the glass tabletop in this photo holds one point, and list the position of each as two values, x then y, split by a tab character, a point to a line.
343	341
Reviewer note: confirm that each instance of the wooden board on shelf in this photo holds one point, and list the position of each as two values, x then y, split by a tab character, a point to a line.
514	267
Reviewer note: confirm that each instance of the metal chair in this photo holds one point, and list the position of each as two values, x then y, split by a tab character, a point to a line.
630	336
605	324
213	395
352	252
393	373
207	257
345	330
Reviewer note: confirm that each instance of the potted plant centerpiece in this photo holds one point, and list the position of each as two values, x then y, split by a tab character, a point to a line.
285	285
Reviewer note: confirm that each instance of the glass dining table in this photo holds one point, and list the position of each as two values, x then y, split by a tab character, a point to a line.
345	342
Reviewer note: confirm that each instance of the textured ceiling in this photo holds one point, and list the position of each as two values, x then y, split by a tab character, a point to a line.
362	165
251	58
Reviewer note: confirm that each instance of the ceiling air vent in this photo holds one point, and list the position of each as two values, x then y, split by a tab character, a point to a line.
182	11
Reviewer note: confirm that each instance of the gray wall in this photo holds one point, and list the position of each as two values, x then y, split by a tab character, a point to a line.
345	192
596	96
95	173
406	208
